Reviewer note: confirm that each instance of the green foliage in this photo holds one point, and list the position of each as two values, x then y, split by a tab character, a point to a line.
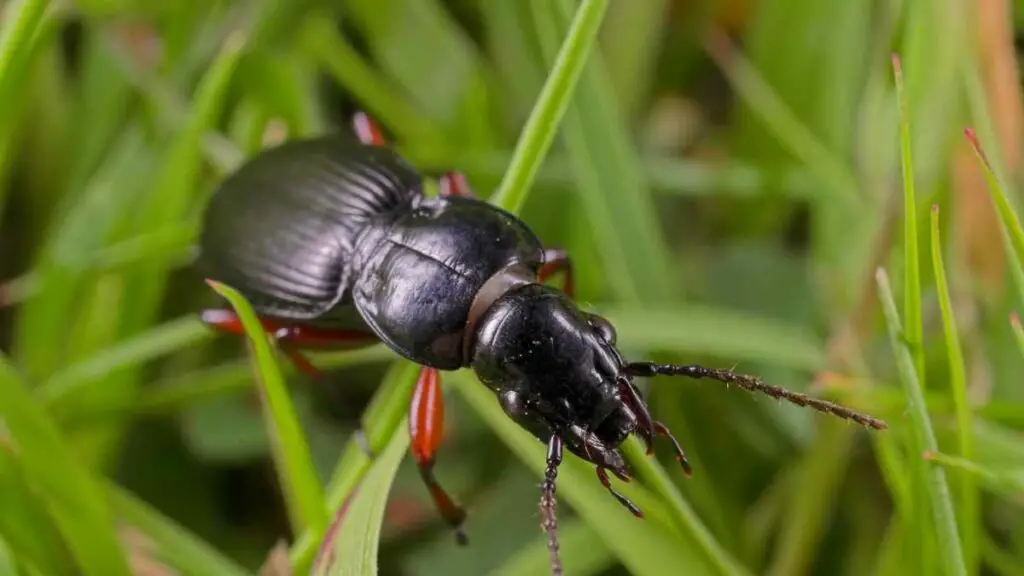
735	182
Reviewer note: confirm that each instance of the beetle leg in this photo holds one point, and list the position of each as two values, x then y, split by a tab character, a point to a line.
426	429
557	260
602	475
291	337
368	130
631	398
680	455
455	184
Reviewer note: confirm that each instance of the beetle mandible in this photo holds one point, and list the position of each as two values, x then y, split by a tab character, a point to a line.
335	245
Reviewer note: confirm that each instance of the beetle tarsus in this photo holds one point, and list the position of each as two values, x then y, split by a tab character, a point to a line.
454	515
602	475
548	503
753	384
680	455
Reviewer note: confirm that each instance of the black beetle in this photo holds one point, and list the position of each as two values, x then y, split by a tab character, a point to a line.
335	245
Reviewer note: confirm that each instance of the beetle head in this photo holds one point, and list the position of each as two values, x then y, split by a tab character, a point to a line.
555	370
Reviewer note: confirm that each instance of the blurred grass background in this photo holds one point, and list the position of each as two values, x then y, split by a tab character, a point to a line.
728	179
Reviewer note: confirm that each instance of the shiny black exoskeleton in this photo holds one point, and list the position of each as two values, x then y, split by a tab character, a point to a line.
334	243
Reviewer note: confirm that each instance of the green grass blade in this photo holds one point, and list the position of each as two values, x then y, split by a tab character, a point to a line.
26	524
178	547
79	232
161	340
174	191
943	520
178	392
76	503
646	547
995	171
1008	216
381	422
321	40
612	189
580	547
1002	562
914	327
352	547
302	488
815	484
831	172
26	32
970	521
170	243
1011	483
448	82
716	331
1018	331
557	93
21	19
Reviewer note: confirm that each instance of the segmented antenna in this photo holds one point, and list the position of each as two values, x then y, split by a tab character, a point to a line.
754	384
549	521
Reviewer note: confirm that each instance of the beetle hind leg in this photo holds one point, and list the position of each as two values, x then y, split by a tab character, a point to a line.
426	430
455	184
367	130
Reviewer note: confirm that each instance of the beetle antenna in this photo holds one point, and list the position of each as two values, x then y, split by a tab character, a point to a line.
549	521
753	384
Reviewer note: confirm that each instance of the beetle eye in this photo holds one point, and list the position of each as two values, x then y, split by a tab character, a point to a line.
604	328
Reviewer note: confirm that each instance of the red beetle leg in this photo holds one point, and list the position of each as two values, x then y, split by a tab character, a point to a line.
557	260
368	130
455	184
292	337
426	430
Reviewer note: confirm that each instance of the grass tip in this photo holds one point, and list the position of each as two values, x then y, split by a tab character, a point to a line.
1015	320
972	138
935	208
928	455
896	66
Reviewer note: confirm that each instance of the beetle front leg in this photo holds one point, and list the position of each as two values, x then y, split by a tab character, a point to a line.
426	430
588	446
557	260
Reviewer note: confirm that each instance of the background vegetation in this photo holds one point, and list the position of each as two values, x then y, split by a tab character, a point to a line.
728	177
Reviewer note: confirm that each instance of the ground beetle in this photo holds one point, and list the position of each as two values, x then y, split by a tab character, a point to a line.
335	244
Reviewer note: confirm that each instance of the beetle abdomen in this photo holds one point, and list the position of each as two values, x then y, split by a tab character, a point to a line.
281	228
